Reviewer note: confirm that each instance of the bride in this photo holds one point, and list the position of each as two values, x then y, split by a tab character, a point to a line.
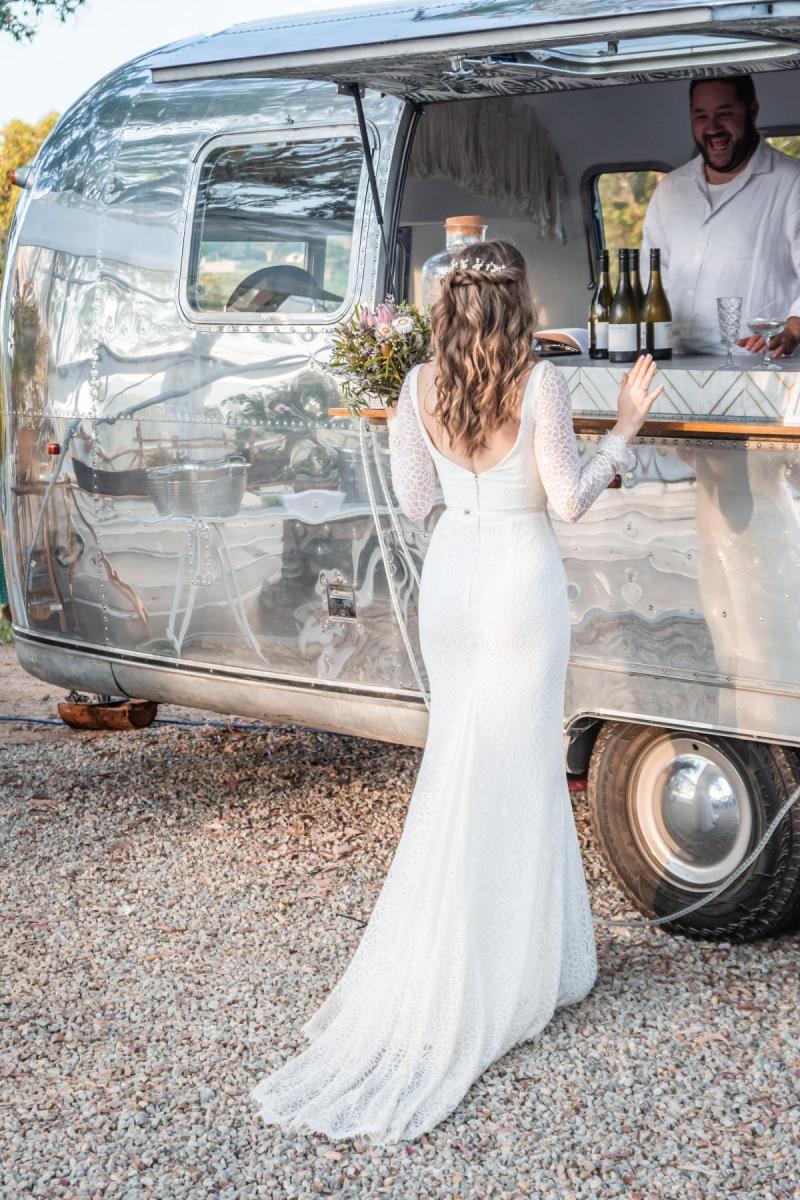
483	927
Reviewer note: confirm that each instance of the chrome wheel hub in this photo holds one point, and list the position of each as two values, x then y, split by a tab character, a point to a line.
690	811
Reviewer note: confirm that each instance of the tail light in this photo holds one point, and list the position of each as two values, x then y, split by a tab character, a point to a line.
19	176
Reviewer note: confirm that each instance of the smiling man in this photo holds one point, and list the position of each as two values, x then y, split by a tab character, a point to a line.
728	223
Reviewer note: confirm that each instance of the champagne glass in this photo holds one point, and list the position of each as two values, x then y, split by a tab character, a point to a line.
767	326
729	313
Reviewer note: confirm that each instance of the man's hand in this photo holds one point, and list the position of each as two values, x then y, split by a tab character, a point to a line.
782	344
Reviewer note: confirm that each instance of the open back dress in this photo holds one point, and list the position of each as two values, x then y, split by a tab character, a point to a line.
483	925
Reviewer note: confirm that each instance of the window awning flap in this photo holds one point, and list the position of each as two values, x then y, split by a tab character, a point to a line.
414	50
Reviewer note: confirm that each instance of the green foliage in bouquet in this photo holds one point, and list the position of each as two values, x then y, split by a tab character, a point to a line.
374	351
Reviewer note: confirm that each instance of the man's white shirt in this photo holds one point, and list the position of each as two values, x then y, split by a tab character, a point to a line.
745	242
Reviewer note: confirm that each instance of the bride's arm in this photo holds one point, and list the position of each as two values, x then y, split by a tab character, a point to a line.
570	489
413	469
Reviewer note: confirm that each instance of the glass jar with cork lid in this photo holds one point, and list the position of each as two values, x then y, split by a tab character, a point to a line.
459	232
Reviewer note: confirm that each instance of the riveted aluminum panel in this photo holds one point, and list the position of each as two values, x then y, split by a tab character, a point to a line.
106	360
409	50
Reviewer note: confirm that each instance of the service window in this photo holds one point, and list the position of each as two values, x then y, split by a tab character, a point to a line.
273	227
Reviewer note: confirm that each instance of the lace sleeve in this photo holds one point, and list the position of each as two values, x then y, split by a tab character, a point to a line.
413	469
571	489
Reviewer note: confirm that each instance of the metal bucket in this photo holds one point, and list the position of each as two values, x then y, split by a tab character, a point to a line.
204	490
352	478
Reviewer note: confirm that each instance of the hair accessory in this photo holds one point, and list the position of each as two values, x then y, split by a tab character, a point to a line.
491	268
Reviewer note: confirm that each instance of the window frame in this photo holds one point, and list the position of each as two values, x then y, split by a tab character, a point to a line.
769	131
362	220
592	217
780	131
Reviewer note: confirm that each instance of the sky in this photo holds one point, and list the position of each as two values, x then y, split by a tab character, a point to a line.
49	73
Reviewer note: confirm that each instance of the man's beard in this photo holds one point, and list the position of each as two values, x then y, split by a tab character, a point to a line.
740	149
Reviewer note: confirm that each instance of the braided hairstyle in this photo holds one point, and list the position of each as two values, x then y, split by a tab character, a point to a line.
482	332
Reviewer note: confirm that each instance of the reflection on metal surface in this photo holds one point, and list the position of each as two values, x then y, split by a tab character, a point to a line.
274	226
409	50
690	811
191	489
341	601
367	714
201	495
205	556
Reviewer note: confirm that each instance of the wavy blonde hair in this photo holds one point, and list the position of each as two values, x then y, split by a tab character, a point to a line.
482	333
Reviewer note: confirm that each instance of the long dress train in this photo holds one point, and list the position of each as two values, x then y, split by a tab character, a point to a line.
482	927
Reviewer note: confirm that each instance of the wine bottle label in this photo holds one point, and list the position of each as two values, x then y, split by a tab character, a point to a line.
642	334
600	335
662	335
623	337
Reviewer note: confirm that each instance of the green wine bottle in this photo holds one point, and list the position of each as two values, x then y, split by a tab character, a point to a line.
636	284
657	313
599	310
623	318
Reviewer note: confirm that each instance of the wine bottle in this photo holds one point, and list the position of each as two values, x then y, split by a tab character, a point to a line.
623	317
636	284
657	313
599	310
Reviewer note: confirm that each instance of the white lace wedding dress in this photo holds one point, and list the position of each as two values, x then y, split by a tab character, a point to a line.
483	926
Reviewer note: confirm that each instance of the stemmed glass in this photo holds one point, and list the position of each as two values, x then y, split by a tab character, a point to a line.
767	326
729	312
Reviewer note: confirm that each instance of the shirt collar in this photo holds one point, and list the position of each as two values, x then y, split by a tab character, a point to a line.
760	163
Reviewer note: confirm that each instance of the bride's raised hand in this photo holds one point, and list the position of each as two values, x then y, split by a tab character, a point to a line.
635	396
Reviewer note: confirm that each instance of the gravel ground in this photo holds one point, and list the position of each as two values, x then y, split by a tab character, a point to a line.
176	902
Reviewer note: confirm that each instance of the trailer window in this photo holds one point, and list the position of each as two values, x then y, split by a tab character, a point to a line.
273	227
618	201
786	143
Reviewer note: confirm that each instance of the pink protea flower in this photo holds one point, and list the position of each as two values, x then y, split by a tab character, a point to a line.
385	314
368	317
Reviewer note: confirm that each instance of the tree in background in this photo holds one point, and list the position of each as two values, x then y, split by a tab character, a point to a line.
787	145
19	143
624	197
18	17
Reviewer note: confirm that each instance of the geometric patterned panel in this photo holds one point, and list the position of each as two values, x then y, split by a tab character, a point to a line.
693	388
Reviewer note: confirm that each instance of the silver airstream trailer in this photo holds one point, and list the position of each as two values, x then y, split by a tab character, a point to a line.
183	520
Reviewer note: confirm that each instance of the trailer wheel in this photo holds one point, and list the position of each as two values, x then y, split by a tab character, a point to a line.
676	812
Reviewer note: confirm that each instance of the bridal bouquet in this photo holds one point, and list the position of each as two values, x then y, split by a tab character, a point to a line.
375	349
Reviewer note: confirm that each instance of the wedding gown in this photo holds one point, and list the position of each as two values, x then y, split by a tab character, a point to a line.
483	926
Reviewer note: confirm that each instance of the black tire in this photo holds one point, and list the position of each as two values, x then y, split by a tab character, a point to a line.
631	815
